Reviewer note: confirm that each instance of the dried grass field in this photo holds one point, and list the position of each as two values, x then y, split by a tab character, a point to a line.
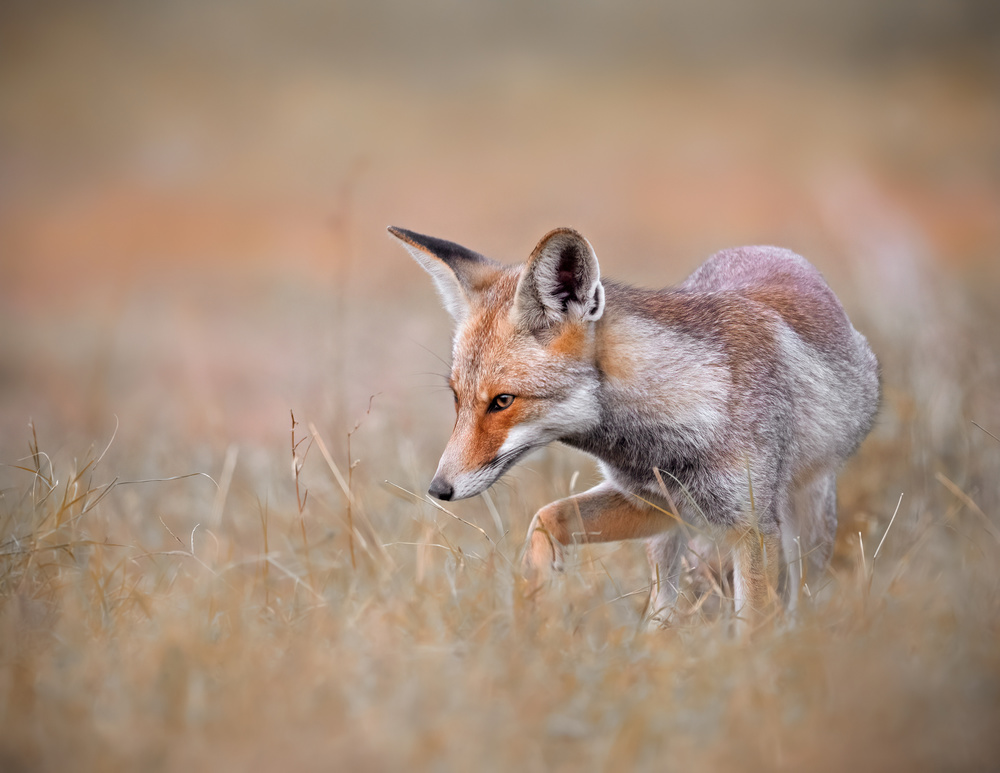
221	391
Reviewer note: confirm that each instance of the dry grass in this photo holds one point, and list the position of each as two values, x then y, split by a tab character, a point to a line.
324	619
192	578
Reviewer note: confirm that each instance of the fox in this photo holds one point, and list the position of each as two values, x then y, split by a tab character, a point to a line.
722	408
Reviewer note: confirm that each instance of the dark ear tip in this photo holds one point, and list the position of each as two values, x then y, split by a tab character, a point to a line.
407	236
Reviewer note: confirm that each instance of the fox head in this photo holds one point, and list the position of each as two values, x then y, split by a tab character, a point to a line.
523	356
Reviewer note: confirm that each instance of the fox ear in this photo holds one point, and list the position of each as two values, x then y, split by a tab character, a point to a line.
561	281
458	273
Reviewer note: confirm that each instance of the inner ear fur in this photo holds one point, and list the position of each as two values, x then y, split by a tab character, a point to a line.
560	282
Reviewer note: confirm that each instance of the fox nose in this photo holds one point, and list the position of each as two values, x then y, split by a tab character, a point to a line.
441	489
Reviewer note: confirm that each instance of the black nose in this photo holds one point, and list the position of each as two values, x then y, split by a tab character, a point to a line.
441	489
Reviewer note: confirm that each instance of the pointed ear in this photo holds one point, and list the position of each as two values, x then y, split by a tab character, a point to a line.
458	273
561	281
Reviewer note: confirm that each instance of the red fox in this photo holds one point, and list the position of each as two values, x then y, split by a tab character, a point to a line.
733	398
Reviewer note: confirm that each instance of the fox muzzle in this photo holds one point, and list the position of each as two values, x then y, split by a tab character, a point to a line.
441	489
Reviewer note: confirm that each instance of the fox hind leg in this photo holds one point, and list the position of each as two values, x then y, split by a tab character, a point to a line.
808	534
824	533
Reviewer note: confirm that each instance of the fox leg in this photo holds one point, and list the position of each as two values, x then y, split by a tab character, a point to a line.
757	558
602	514
665	553
809	530
822	499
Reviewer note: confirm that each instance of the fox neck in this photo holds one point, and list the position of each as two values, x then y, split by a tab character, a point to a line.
663	394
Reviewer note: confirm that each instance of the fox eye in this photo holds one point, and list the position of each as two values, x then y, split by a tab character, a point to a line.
500	402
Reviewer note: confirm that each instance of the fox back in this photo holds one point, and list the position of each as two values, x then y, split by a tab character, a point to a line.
733	398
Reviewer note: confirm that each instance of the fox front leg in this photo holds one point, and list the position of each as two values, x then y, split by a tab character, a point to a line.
602	514
665	553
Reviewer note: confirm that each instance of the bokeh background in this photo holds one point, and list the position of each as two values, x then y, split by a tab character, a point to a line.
194	196
193	203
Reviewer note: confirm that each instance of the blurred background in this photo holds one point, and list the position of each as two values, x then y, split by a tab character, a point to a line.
193	204
193	196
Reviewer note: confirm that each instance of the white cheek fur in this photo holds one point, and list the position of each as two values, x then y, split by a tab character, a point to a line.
574	414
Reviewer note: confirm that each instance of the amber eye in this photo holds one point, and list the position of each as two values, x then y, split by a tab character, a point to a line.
500	402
